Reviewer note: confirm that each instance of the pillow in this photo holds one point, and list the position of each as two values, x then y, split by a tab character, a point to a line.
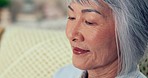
33	53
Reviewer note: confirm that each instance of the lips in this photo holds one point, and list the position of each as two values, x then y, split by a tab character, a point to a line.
79	51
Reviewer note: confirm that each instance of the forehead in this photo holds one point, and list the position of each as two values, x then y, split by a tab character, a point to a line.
84	3
99	5
92	3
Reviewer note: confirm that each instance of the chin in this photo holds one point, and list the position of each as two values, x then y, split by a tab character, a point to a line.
89	66
82	65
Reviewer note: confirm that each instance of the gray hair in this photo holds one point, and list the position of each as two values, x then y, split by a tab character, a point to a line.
131	26
131	18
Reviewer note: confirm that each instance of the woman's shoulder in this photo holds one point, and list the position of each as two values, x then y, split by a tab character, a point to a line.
68	72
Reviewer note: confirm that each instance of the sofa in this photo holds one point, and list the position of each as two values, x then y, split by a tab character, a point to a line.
37	53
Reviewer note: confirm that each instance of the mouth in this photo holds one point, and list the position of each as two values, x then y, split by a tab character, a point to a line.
79	51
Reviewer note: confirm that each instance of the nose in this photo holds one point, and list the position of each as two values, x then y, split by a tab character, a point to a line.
74	32
77	37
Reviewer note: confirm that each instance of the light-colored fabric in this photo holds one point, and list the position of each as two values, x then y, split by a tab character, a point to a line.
71	72
33	53
68	72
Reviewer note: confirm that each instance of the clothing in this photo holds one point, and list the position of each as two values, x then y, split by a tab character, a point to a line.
72	72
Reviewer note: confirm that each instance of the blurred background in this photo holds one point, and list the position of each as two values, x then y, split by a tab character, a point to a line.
33	13
33	43
32	38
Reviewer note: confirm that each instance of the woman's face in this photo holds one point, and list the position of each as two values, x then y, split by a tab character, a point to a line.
91	32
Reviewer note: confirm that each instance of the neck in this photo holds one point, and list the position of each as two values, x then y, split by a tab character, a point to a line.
108	71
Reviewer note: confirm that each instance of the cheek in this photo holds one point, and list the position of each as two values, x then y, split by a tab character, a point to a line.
99	36
68	29
103	52
101	40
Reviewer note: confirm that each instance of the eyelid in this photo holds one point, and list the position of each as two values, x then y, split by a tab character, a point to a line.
71	18
90	23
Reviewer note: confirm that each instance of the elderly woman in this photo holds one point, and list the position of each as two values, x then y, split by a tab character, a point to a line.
108	38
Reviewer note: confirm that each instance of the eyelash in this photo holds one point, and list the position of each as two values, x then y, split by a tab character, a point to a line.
90	23
71	18
86	22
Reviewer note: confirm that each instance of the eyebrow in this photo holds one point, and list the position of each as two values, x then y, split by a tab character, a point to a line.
70	8
86	10
91	10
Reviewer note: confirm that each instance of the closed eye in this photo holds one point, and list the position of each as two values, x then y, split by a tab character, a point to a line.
71	18
90	23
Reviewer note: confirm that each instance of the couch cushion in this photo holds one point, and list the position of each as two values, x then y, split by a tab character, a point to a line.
33	53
